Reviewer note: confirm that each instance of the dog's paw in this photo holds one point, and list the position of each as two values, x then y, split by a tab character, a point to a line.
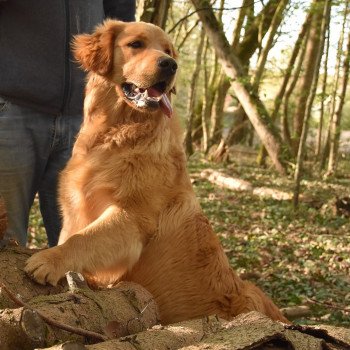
46	266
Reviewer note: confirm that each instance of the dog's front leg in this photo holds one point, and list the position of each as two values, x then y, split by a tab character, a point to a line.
110	241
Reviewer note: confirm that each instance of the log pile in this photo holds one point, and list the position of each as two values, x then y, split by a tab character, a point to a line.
125	317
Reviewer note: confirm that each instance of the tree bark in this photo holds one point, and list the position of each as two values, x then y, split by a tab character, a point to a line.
276	21
326	147
255	29
192	95
246	332
336	118
286	134
280	95
206	102
218	111
254	108
307	113
156	12
305	82
12	261
85	314
323	93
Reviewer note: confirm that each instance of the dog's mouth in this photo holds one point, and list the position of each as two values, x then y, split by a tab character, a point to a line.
152	97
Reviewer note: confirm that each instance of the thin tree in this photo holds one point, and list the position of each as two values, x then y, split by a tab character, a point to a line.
155	11
255	28
325	151
260	67
306	80
281	92
254	108
286	134
315	35
323	93
192	94
336	118
206	97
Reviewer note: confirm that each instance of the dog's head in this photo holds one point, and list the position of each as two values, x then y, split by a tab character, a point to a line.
137	57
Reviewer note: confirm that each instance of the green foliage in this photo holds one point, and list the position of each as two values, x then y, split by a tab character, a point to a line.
301	256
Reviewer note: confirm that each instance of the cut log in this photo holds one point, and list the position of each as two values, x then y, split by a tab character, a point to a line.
12	261
245	332
235	184
20	329
169	337
294	312
223	180
126	309
68	346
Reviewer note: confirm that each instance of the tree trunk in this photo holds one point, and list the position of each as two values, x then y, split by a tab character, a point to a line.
307	113
336	118
280	95
155	11
246	10
305	82
254	108
326	147
192	95
206	102
255	29
323	94
286	134
218	112
276	21
187	34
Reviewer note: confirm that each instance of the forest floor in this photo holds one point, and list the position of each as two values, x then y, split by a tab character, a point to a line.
298	258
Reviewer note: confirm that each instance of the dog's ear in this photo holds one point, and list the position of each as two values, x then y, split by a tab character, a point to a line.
95	51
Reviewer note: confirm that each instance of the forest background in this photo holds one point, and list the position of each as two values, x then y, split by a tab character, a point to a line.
263	97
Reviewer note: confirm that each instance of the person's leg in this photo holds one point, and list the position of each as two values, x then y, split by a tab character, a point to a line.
24	146
66	129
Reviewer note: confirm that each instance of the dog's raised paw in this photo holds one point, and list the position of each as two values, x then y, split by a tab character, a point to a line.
46	266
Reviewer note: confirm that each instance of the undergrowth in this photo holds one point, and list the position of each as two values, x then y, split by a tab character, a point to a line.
298	257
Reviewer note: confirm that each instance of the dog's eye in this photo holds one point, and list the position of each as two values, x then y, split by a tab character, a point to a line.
168	52
136	44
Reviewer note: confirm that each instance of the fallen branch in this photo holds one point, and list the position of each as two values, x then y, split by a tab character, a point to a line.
295	312
236	184
328	305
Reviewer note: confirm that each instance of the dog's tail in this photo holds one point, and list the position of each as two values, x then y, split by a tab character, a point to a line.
252	298
247	297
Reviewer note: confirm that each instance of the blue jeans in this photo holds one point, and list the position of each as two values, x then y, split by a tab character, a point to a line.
34	148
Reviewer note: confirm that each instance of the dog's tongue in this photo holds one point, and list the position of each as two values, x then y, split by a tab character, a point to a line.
164	102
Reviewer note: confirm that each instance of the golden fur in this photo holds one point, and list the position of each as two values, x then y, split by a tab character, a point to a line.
129	210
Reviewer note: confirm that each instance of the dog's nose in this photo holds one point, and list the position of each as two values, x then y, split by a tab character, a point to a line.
168	65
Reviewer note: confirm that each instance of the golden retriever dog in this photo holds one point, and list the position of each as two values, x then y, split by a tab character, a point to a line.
129	210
